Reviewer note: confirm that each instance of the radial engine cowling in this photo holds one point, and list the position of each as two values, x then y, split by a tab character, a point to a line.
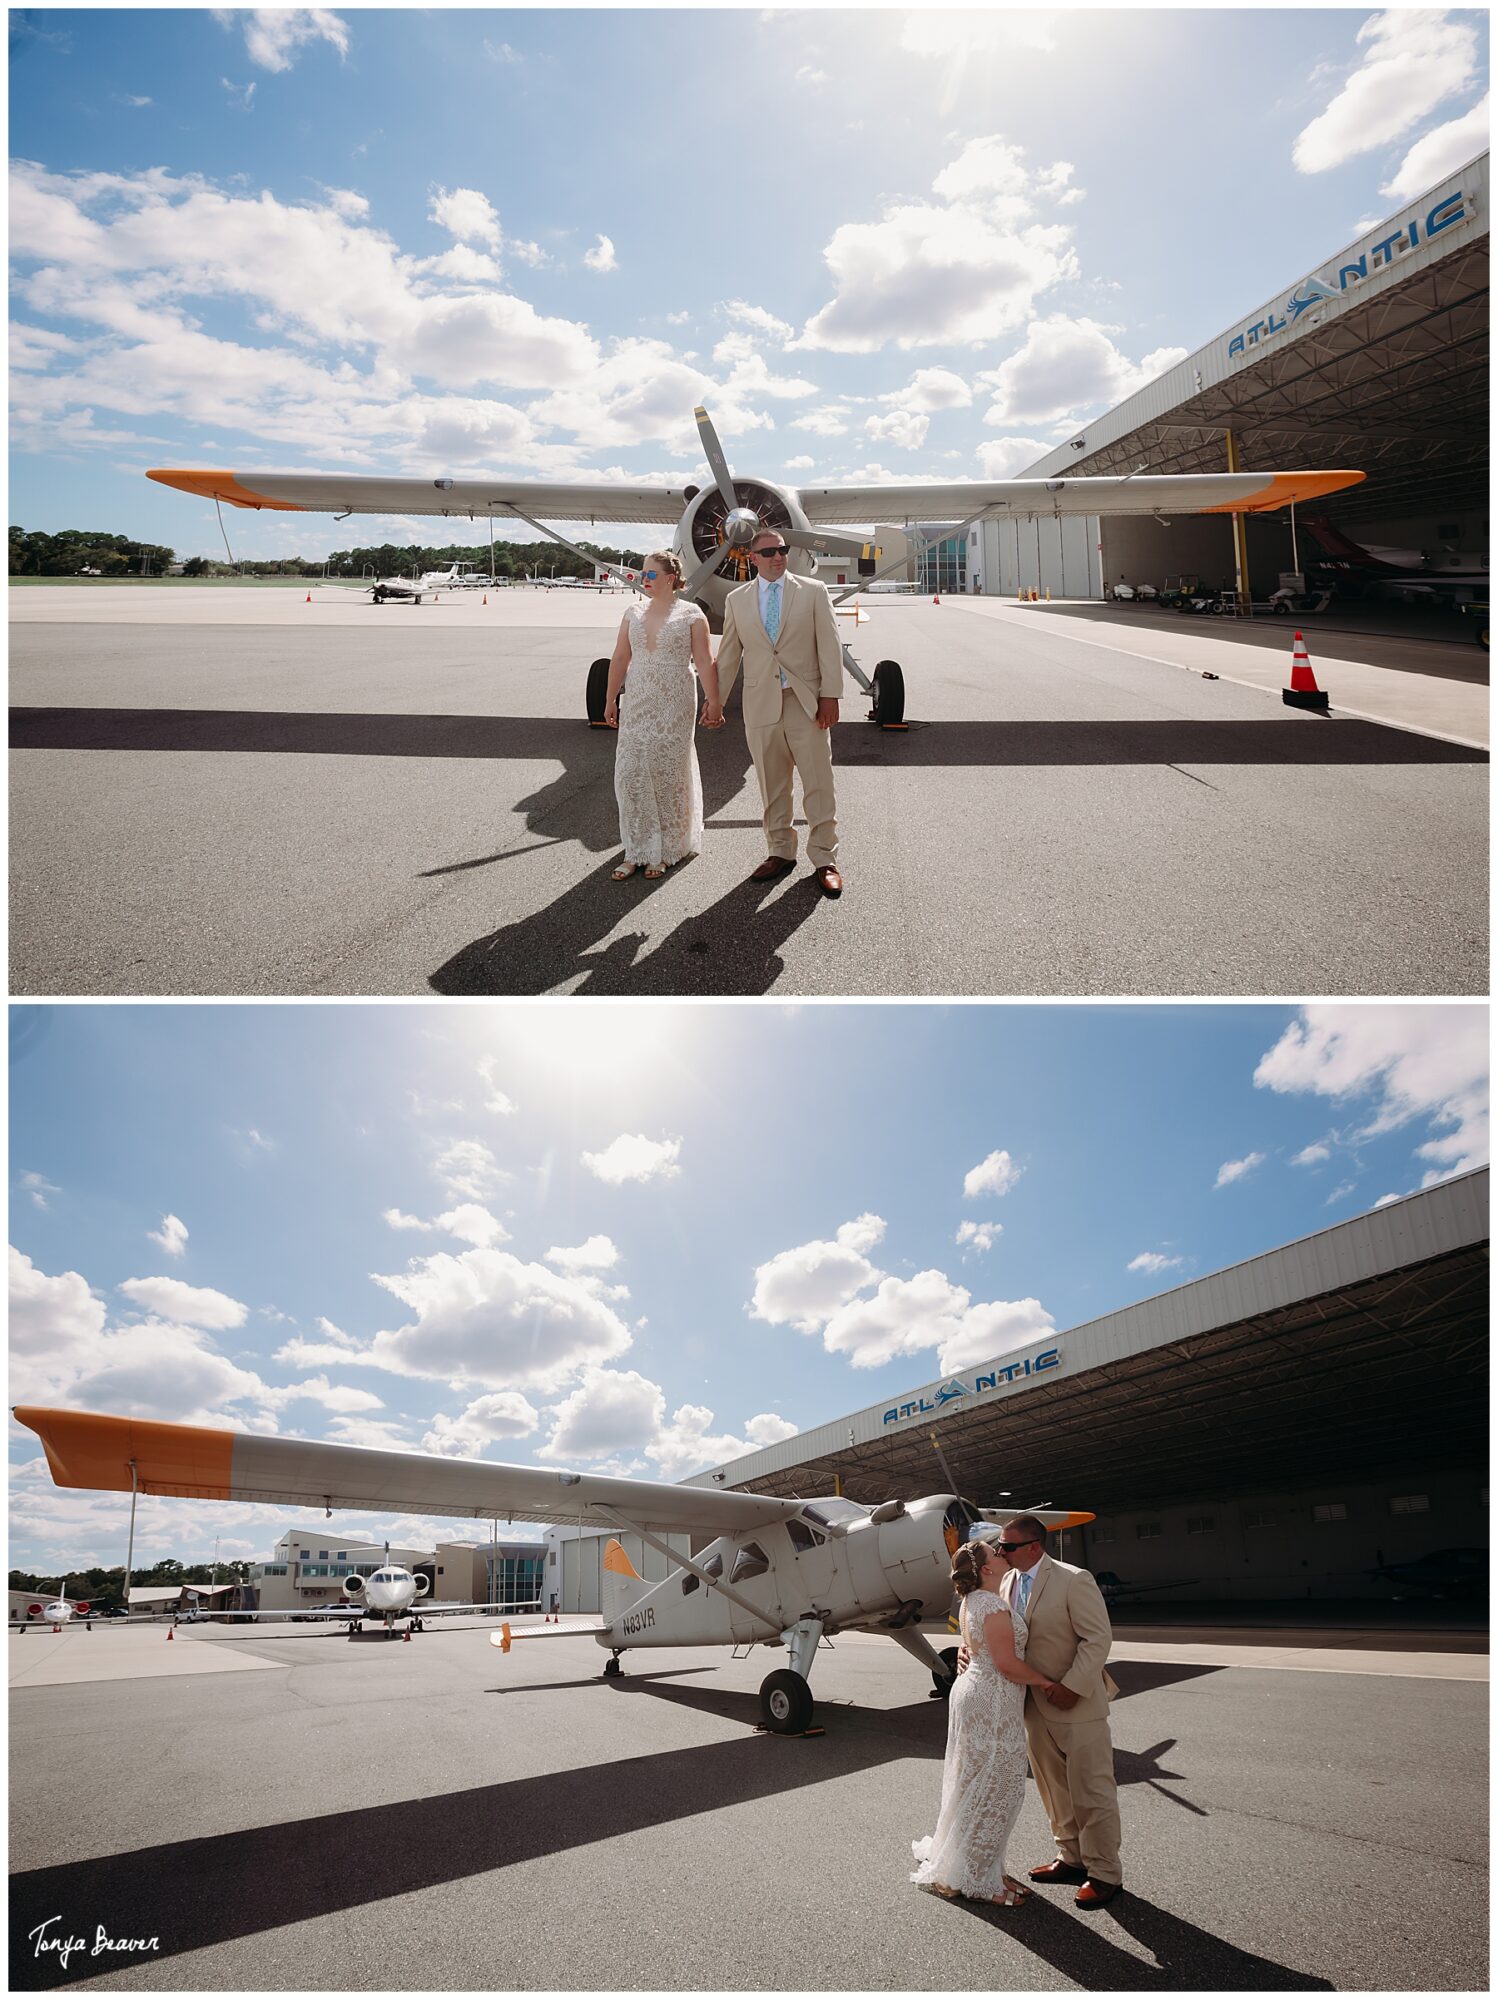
707	514
916	1550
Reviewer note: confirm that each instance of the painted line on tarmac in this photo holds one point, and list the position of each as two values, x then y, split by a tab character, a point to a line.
1398	1666
1361	714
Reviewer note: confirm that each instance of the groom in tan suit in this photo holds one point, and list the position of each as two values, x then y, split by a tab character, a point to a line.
783	631
1071	1751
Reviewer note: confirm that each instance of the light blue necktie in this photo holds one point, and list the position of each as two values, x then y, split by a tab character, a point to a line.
1023	1589
772	614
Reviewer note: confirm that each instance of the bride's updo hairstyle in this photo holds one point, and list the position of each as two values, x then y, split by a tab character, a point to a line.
664	559
967	1567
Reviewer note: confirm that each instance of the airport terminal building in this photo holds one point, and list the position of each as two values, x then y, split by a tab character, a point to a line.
1376	360
1281	1430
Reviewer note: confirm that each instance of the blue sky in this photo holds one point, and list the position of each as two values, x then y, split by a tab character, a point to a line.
877	244
646	1238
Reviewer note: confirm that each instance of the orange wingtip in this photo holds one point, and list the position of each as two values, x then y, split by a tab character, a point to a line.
1285	487
615	1559
97	1452
223	486
1055	1522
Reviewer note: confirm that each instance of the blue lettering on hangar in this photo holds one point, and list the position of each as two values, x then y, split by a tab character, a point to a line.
1451	208
954	1387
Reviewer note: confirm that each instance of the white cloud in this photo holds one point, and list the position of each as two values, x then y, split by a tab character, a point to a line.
375	1434
982	1235
335	1333
611	1410
55	1320
904	1316
38	1187
799	464
932	389
470	1222
1415	58
171	1237
1414	1062
808	73
828	422
902	428
633	1157
241	95
467	1167
601	257
1340	1193
467	215
501	52
506	1414
599	1253
1005	458
744	314
1439	153
338	1397
804	1287
960	270
273	35
1312	1156
300	1353
1067	366
995	1175
768	1429
496	1100
190	1305
484	1316
999	1327
1234	1170
1152	1261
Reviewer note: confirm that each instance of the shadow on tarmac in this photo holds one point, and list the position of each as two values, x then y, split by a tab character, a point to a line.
1282	738
1187	1958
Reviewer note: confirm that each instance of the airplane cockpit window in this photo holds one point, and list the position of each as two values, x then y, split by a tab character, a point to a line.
835	1512
802	1537
751	1561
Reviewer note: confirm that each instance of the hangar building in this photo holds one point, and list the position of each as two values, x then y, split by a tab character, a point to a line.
1277	1430
1376	361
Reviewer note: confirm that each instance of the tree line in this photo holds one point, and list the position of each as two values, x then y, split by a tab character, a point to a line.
101	1588
78	551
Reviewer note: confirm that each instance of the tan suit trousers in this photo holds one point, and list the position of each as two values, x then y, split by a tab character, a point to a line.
1073	1766
796	744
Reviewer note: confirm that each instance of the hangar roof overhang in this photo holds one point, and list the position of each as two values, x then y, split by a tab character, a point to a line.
1375	362
1356	1353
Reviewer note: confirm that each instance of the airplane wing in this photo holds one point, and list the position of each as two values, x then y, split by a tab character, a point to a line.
98	1452
1157	493
346	493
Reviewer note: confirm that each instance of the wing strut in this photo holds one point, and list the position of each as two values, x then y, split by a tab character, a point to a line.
551	535
771	1625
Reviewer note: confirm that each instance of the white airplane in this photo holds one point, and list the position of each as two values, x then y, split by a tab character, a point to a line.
778	1573
715	524
57	1613
411	590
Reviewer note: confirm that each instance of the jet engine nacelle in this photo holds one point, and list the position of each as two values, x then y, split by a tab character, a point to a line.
423	1587
353	1589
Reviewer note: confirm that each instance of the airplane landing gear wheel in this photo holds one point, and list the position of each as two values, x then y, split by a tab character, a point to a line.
889	695
598	693
612	1669
785	1702
943	1683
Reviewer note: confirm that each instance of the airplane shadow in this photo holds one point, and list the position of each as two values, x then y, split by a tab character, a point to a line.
1278	738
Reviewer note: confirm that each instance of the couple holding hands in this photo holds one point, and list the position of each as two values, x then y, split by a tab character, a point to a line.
783	632
1035	1635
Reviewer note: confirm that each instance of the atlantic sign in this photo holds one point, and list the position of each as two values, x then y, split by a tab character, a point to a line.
1404	237
954	1387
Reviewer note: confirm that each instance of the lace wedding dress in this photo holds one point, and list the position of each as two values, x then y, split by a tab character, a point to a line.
656	779
983	1779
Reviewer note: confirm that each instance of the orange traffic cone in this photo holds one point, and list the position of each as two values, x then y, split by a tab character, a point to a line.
408	1635
936	600
309	596
486	597
171	1633
1303	691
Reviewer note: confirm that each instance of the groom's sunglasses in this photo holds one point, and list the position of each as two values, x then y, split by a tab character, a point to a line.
1010	1547
765	555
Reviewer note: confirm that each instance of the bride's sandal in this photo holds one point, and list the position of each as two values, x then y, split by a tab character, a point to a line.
654	874
623	873
1015	1896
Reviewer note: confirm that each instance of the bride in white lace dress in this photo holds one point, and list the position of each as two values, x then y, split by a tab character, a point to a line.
661	653
983	1779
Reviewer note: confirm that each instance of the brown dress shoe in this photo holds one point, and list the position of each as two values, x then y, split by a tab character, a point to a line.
831	882
1093	1895
1058	1871
772	868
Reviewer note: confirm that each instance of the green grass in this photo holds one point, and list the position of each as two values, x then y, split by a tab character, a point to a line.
186	582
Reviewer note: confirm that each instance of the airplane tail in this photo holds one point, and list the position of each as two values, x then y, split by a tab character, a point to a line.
1337	544
622	1582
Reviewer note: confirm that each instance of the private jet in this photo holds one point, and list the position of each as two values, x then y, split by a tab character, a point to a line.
781	1573
57	1613
715	524
1401	572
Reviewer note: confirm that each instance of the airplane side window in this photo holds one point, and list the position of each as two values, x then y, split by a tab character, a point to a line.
801	1536
689	1583
752	1561
713	1565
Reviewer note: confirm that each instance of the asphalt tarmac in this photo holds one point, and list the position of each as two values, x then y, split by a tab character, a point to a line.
438	1816
312	799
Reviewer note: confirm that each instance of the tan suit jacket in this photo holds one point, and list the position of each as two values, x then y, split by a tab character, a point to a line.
1070	1638
808	649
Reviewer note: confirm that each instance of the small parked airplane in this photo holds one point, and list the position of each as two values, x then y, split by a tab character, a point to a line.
714	525
57	1613
778	1573
1424	573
